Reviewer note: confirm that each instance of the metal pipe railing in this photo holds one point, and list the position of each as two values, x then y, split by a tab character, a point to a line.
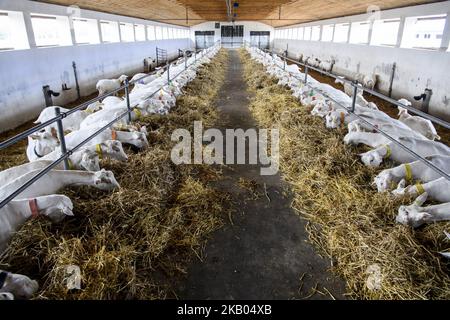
390	138
66	154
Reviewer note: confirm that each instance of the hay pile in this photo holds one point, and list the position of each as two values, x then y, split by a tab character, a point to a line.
350	222
133	243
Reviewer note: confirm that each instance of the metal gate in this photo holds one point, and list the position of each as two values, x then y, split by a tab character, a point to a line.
204	39
232	36
260	39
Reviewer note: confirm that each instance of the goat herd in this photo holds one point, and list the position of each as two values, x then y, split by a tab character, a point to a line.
411	177
41	198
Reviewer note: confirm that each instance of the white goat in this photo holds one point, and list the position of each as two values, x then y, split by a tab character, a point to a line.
17	212
105	86
41	144
416	215
415	171
56	180
418	124
71	122
17	285
370	139
138	139
424	148
108	149
438	190
83	160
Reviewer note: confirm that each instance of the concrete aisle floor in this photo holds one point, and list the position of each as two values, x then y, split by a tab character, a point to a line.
265	253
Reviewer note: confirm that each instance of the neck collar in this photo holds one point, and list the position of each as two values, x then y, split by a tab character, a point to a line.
36	153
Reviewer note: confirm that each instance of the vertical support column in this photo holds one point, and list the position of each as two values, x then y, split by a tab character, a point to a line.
127	95
29	29
62	139
401	31
372	22
72	32
99	27
350	24
446	34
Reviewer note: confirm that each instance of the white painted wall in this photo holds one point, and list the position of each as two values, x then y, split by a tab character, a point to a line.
24	72
248	26
416	69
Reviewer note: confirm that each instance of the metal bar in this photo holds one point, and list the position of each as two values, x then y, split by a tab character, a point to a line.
355	93
414	154
127	95
62	139
306	73
168	72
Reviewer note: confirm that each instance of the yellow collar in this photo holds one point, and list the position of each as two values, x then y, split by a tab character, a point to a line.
388	152
409	175
98	149
420	188
138	113
71	167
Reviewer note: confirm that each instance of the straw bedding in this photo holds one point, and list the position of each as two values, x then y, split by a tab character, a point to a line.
136	242
349	221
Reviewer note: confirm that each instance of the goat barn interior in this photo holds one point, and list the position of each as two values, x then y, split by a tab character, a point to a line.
224	150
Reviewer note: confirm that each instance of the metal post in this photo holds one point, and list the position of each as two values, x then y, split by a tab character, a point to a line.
391	81
284	63
62	139
185	60
306	73
127	95
355	92
74	65
168	72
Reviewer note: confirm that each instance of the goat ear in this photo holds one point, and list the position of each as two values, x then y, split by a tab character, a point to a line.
34	137
421	199
54	132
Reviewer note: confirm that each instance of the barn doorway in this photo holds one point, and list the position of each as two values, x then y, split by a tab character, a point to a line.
260	39
204	39
232	36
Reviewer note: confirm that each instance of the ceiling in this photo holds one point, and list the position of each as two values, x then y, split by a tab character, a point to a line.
273	12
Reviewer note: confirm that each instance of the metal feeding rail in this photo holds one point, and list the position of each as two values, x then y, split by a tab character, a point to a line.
59	116
351	110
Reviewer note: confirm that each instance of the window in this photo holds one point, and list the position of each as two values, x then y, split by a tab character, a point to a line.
110	31
307	35
385	32
51	30
126	32
151	33
341	32
164	33
328	32
86	31
171	34
424	32
158	33
360	32
6	38
139	32
300	34
315	33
